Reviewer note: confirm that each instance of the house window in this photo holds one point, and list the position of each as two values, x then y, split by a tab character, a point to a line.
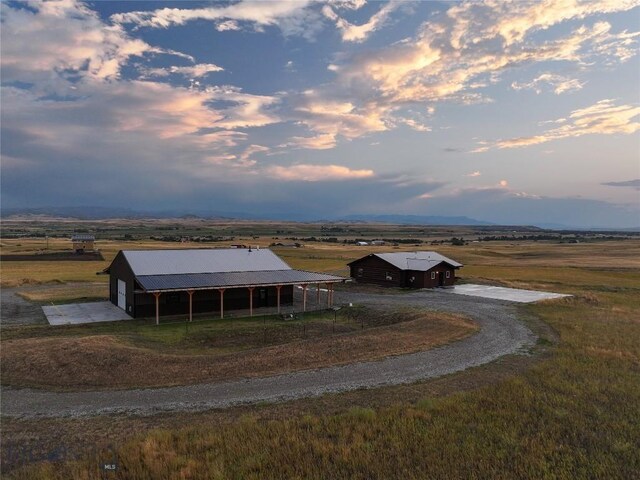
360	272
433	275
448	274
388	276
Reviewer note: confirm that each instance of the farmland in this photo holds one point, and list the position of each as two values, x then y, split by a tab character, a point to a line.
567	411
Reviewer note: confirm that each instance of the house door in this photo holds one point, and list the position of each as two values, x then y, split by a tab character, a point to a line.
440	279
262	302
122	294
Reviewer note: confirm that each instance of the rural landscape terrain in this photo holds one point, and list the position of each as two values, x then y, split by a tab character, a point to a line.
563	406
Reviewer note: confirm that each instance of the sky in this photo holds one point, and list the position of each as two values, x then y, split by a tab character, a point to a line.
507	112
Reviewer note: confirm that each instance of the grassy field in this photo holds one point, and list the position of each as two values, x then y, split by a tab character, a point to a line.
136	354
569	413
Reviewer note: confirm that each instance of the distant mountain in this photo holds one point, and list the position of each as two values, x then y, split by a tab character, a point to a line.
416	220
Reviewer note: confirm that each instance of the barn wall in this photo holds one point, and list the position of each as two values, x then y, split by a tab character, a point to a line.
120	269
208	301
375	270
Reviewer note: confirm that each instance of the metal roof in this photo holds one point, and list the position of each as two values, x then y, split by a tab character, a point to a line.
154	283
419	261
198	261
82	237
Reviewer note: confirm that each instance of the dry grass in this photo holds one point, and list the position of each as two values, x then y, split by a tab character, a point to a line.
66	293
104	361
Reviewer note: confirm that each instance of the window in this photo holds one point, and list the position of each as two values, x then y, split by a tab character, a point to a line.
433	275
360	272
448	274
388	276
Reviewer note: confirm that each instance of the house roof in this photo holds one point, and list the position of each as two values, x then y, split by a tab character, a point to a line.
82	237
196	281
160	270
418	261
190	261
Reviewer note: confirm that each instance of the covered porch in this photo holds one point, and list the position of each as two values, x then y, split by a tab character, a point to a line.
250	298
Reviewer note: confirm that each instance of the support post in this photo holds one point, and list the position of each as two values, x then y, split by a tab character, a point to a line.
278	287
304	297
221	302
157	295
190	292
331	295
328	295
251	300
318	294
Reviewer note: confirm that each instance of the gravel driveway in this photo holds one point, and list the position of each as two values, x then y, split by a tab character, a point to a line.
501	333
15	310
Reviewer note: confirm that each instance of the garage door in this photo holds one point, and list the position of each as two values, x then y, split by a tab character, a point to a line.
122	294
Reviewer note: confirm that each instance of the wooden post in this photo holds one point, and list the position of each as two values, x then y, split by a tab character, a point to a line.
251	300
304	297
317	294
328	295
190	292
331	295
278	287
157	295
221	302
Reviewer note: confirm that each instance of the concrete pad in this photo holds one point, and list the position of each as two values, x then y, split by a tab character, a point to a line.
502	293
78	313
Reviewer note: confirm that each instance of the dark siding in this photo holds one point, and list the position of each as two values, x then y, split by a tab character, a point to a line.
374	270
440	274
208	301
120	269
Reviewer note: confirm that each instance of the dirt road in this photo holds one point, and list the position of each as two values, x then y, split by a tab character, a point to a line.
501	333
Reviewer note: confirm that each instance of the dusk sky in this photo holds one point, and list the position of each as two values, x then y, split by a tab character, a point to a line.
517	113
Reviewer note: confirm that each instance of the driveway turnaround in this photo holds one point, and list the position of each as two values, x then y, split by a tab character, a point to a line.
502	293
501	333
77	313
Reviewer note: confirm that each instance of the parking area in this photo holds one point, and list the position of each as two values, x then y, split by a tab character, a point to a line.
78	313
503	293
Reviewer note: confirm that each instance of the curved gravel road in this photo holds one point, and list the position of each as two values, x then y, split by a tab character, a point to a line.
501	333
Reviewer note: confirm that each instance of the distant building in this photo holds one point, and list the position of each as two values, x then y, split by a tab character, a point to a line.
378	242
405	269
83	243
362	244
145	283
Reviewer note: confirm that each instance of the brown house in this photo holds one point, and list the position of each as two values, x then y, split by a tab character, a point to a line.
405	269
145	283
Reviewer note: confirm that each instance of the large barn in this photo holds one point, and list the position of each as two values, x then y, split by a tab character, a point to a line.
148	283
405	269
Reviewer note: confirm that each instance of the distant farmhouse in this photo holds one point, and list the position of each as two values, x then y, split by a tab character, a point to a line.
83	243
405	269
145	283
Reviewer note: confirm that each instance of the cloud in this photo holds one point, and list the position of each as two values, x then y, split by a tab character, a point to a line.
456	55
316	173
602	118
359	33
59	40
190	71
559	84
635	184
473	174
291	17
503	183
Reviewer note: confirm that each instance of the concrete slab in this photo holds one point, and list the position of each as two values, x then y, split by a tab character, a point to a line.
503	293
78	313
